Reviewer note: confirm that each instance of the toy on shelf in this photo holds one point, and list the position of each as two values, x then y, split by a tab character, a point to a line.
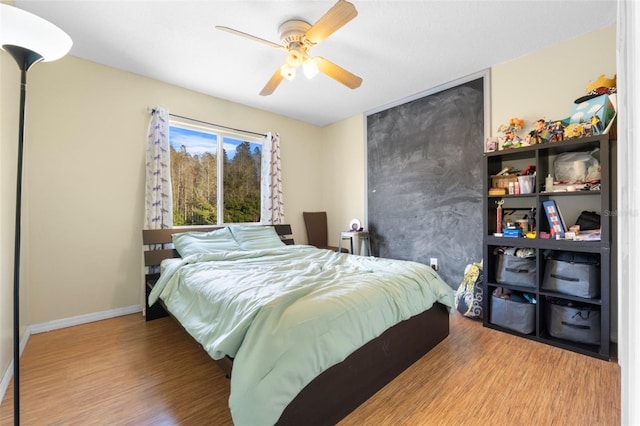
556	129
510	138
601	86
574	130
595	112
539	134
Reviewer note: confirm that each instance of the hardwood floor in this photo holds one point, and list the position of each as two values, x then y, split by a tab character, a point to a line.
125	371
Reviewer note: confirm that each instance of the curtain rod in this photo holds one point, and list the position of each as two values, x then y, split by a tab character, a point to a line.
152	110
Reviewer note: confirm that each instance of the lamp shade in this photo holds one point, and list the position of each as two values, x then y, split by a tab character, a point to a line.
23	29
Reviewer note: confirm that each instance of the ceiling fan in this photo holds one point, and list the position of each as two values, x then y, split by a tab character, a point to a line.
298	37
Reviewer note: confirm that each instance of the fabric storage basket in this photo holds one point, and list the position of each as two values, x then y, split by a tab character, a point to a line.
576	323
575	279
516	270
512	313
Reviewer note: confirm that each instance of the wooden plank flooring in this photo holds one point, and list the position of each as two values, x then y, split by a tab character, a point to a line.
125	371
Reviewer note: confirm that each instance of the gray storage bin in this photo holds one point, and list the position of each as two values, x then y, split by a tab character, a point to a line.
514	315
516	270
575	279
578	324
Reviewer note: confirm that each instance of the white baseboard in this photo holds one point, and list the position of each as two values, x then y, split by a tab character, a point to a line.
43	327
62	323
8	374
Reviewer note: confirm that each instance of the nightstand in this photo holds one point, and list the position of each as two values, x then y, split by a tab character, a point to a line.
357	239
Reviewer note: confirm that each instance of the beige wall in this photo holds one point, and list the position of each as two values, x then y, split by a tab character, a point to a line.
85	166
343	174
544	84
87	126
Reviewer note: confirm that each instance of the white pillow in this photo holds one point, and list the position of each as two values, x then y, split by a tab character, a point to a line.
188	243
253	237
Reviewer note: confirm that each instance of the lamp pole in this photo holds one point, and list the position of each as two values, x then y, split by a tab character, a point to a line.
28	39
25	58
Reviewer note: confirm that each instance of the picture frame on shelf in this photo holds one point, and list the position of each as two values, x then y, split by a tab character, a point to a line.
491	145
554	217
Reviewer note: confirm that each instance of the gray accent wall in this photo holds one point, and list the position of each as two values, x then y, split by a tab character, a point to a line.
424	179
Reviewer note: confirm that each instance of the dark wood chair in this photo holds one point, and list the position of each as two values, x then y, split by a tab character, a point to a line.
317	230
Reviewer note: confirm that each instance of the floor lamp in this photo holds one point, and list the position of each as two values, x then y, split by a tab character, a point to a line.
28	39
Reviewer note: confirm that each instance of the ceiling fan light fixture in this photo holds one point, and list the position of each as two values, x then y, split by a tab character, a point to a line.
288	72
297	37
310	67
295	57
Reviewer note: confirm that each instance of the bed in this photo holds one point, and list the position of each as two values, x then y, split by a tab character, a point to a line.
306	335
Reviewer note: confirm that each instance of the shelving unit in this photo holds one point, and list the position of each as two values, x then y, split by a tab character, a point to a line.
571	204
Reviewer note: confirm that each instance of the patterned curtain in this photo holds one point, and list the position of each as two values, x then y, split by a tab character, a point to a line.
158	202
158	199
272	206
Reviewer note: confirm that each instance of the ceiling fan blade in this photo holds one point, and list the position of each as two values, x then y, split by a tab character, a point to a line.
338	73
341	13
272	84
252	37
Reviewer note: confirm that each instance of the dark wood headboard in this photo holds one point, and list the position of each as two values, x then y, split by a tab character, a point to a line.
154	256
163	236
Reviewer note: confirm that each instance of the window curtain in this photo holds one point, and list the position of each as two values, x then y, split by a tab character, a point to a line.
272	206
158	199
158	202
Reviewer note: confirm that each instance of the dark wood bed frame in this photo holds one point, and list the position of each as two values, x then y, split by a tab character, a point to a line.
342	388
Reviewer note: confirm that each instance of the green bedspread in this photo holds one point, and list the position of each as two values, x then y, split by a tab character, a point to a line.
288	314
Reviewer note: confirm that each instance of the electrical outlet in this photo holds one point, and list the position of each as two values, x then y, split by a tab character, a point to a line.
433	262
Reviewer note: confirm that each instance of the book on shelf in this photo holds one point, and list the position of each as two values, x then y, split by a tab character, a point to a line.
554	217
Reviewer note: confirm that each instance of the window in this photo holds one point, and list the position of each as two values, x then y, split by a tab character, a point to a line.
205	183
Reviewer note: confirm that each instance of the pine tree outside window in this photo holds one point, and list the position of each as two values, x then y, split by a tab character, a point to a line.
215	175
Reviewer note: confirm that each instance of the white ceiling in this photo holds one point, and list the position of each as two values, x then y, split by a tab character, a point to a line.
399	48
